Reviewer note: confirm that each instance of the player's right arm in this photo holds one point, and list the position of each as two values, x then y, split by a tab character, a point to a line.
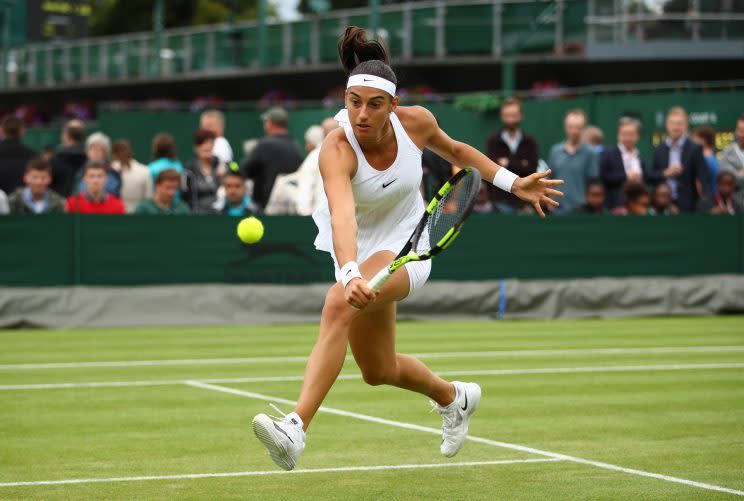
337	166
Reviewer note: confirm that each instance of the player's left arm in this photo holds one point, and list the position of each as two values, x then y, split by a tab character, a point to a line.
535	189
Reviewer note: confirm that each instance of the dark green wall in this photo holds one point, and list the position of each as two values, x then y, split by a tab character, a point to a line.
140	250
544	119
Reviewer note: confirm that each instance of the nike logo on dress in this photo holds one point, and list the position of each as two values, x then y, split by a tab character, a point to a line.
285	433
384	185
466	403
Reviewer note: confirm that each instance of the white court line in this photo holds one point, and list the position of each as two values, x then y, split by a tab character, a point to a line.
277	472
505	445
279	379
438	355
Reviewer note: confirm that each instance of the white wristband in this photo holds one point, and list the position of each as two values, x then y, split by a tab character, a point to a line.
504	179
349	272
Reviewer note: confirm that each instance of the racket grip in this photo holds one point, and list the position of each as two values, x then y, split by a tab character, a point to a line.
380	279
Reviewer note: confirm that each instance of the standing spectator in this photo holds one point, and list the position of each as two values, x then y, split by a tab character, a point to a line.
594	137
36	197
680	162
14	155
662	203
706	137
4	208
595	199
236	201
164	155
725	201
136	182
732	157
513	149
69	159
95	200
574	162
164	200
203	174
636	198
276	153
622	163
98	149
310	182
214	121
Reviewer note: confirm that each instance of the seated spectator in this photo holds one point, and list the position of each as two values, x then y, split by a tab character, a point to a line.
595	199
662	203
732	157
98	149
637	200
14	155
594	137
726	200
622	163
69	159
136	182
164	155
164	200
203	174
706	138
236	201
214	121
4	209
276	153
36	197
95	200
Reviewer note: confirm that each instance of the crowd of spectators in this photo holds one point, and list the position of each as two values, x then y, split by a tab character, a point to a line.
90	175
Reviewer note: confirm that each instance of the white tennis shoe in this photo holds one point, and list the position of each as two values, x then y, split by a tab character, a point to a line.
456	416
283	437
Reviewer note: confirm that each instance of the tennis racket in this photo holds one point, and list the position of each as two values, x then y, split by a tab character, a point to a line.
440	224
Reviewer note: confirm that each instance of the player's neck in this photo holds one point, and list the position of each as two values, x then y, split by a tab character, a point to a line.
381	143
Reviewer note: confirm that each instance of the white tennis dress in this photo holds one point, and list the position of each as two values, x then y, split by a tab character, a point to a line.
388	202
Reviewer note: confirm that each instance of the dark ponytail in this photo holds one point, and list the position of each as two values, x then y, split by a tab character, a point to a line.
360	55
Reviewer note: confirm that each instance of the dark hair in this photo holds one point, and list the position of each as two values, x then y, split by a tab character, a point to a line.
75	131
725	173
594	182
167	175
95	164
633	190
234	173
122	151
361	55
707	134
202	136
741	118
38	163
163	146
12	126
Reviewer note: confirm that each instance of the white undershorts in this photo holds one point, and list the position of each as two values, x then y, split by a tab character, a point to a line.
418	274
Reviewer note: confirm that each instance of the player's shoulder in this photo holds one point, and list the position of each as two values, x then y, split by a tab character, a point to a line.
336	150
416	119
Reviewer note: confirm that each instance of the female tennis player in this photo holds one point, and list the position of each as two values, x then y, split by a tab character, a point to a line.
371	169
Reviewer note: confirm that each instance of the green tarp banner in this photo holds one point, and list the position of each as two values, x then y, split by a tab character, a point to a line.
58	250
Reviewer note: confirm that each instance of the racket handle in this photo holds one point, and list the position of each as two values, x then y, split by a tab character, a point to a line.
380	279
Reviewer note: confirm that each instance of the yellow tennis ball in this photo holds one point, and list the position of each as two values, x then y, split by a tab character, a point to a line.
250	230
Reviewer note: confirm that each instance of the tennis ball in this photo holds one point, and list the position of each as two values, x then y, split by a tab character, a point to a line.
250	230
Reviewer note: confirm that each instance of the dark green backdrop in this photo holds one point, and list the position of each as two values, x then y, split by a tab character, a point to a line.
543	119
140	250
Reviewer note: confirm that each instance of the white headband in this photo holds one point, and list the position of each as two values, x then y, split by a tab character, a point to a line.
372	81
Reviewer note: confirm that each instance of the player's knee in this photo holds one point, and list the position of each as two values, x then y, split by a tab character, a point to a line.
335	308
376	377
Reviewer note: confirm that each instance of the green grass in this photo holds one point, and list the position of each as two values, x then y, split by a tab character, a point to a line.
684	423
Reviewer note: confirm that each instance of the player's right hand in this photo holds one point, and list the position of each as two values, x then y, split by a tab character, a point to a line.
358	294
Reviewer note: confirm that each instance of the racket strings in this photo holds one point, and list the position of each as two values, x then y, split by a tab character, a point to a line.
451	209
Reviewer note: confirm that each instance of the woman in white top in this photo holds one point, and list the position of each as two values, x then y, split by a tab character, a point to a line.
371	169
136	181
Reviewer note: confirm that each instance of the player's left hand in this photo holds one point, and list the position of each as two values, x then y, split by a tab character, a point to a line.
538	188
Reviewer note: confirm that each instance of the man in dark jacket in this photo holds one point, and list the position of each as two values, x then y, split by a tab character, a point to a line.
69	159
276	153
36	197
514	149
14	155
680	163
622	163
